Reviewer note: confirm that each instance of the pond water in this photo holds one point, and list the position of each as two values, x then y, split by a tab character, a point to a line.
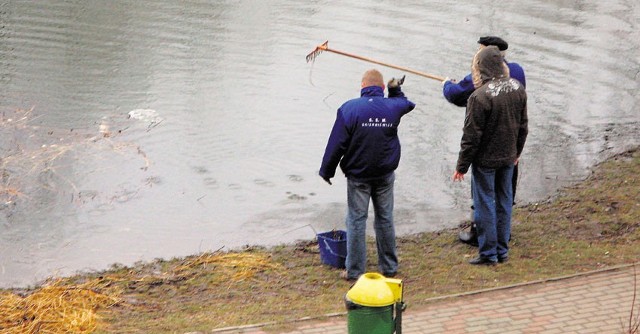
134	130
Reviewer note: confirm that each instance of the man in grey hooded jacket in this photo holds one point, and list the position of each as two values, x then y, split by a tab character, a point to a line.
494	134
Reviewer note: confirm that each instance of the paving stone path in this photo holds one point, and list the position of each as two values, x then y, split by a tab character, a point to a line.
595	302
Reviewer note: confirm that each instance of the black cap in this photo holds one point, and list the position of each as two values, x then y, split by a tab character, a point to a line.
493	40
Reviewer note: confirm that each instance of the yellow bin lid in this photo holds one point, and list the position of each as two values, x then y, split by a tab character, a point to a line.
375	290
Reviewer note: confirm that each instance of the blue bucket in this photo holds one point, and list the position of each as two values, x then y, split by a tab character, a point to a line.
333	248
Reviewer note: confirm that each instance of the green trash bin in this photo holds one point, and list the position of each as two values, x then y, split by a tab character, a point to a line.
371	303
369	320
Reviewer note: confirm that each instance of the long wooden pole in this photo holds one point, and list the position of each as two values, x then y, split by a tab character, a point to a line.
324	47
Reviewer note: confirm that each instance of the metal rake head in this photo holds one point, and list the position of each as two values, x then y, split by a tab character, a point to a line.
318	50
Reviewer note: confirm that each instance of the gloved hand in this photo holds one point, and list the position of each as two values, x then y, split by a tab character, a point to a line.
328	180
447	79
393	83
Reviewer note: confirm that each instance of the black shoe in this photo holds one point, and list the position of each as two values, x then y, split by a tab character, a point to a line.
482	261
390	275
503	259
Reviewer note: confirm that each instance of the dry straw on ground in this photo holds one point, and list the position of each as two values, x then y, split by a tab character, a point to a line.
234	266
53	309
66	307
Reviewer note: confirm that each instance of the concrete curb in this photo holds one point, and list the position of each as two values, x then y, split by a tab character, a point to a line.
238	328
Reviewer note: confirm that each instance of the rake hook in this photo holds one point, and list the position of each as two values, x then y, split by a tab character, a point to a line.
325	47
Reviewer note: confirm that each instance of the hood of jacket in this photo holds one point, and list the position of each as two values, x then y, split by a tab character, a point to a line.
488	64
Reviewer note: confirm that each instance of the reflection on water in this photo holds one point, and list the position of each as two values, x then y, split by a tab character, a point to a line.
135	130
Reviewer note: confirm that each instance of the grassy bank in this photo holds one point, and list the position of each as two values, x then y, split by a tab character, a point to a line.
590	225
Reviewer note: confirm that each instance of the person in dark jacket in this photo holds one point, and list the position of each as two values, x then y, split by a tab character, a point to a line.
494	134
364	142
458	92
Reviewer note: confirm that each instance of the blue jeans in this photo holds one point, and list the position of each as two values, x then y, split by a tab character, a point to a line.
492	202
380	191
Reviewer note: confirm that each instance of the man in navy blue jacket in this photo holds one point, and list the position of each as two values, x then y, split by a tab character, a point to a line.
364	142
